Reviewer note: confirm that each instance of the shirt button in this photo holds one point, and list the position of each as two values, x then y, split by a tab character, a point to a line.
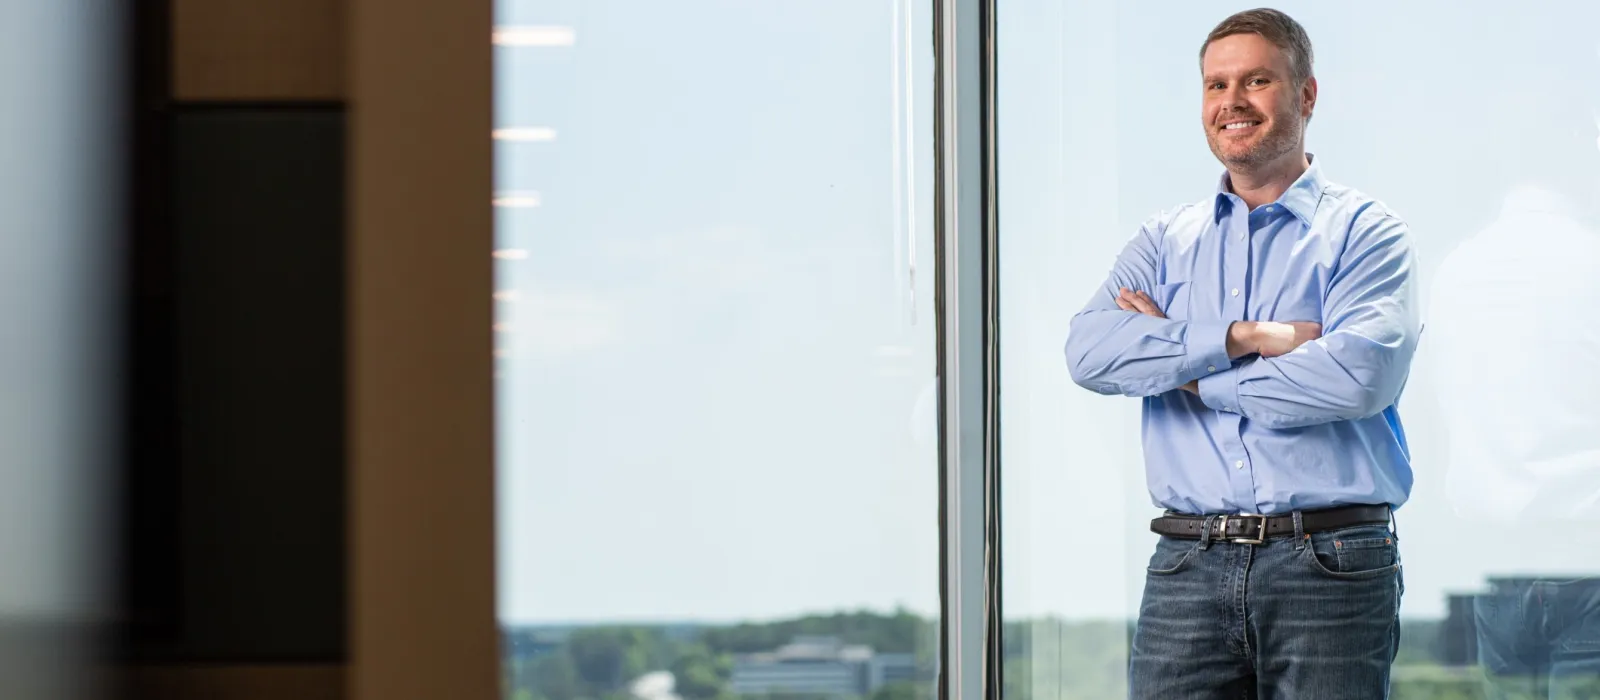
1239	464
1211	368
1236	291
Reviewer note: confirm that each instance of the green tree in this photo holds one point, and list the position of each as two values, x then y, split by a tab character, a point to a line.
606	658
899	632
701	674
556	678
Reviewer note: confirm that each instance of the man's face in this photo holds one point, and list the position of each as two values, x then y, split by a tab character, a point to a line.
1253	112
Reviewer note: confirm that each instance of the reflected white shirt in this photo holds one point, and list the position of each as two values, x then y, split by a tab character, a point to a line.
1512	337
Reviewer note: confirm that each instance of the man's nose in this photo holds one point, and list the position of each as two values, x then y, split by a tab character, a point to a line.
1233	100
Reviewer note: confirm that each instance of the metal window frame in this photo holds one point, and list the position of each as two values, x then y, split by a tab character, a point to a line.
966	223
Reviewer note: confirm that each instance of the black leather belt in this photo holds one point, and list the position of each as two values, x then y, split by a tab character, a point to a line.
1255	529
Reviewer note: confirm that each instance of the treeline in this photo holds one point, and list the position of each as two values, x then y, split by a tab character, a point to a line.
1044	658
599	662
900	632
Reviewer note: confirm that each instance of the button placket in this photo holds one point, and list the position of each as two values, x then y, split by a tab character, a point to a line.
1234	269
1236	258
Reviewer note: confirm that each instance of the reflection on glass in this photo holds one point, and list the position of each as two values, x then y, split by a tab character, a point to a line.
1489	153
717	457
1522	442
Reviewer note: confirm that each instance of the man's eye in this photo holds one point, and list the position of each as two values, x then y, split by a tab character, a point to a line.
1259	81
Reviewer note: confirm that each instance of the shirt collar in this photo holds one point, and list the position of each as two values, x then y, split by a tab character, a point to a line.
1300	199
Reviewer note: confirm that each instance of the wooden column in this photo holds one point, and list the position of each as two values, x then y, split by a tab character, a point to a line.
422	408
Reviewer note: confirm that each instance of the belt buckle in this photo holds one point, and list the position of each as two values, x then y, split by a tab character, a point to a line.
1261	535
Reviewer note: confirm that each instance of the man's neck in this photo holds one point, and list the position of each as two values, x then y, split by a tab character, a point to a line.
1267	183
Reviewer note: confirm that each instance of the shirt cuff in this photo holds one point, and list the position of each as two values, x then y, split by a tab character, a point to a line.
1206	346
1220	391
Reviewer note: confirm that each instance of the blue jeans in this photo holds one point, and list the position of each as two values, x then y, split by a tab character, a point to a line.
1539	639
1300	617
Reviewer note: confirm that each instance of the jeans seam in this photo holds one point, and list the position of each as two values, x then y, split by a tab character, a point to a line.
1241	575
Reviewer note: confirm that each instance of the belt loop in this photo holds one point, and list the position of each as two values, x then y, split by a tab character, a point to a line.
1299	531
1205	533
1394	524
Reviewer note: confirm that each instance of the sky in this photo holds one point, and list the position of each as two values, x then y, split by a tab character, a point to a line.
715	395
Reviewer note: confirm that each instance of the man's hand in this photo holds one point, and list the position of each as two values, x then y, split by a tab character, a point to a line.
1138	302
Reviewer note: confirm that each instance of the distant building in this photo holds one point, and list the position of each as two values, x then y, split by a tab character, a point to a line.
884	669
820	666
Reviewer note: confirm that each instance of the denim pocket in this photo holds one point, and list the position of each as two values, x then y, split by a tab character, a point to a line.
1581	646
1361	552
1584	635
1171	556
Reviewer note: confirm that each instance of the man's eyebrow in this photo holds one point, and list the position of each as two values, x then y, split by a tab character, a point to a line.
1256	73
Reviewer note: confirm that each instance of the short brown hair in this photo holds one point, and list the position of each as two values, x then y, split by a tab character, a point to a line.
1274	26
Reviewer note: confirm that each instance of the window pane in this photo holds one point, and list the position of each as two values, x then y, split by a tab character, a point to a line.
715	329
1476	123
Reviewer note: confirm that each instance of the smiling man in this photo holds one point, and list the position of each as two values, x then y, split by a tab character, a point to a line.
1269	331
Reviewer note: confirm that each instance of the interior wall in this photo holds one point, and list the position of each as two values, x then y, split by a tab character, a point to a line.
236	554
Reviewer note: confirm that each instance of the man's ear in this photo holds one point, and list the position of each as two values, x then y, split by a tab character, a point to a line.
1308	97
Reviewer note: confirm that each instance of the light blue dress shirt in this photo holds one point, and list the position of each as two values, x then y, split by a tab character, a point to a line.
1311	429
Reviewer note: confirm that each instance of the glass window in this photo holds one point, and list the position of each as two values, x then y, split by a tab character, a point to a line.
1476	123
718	468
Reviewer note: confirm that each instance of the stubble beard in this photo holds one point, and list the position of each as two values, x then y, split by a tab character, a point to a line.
1283	137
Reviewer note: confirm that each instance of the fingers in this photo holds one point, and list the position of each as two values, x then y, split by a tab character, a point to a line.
1129	301
1125	300
1149	306
1140	302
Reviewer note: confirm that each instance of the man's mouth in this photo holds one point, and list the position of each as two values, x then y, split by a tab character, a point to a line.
1243	124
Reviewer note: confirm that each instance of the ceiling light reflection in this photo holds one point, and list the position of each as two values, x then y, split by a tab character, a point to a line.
534	36
517	199
525	133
